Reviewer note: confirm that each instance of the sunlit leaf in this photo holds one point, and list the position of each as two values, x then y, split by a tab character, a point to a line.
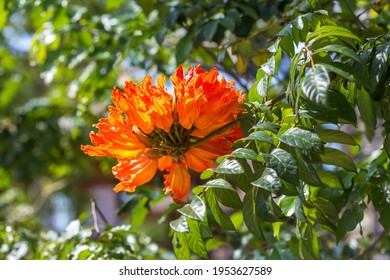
195	210
302	138
315	85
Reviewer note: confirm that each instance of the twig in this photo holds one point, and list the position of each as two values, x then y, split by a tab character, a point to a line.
371	247
357	19
95	208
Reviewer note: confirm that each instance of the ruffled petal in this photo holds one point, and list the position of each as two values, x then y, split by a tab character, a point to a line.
177	182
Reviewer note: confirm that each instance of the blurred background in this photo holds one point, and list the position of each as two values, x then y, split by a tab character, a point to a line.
59	61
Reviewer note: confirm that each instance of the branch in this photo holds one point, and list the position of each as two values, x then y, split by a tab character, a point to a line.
371	247
94	208
357	19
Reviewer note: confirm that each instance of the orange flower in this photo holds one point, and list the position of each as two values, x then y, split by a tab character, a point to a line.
150	129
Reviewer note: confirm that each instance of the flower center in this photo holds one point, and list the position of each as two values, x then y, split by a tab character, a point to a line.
174	143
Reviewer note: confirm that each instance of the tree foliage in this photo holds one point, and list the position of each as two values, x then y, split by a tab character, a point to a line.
314	162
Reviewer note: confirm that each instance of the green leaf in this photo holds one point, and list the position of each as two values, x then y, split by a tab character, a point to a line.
338	158
251	219
302	139
308	242
330	30
229	167
219	183
336	136
349	221
207	174
260	136
228	198
307	172
262	85
219	215
273	127
3	13
179	225
328	210
266	208
180	246
367	112
344	50
329	179
345	71
315	85
184	48
245	154
284	165
195	210
195	240
209	29
379	65
269	181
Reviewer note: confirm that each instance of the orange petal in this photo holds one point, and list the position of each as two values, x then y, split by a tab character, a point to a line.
164	163
133	173
178	182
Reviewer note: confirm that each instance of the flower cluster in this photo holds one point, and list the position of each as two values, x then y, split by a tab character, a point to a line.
149	128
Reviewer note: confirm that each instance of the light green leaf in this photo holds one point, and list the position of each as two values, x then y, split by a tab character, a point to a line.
338	158
315	85
302	139
330	30
229	167
349	221
195	240
274	128
179	225
344	50
284	165
195	210
220	217
331	180
180	246
219	183
245	154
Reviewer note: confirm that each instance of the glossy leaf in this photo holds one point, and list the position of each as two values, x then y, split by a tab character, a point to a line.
245	154
284	165
260	136
315	85
302	139
269	181
195	210
229	167
340	49
179	225
219	183
228	198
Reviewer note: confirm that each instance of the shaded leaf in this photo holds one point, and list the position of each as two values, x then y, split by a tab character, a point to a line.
219	215
349	221
367	112
251	219
184	48
269	181
338	158
336	136
228	198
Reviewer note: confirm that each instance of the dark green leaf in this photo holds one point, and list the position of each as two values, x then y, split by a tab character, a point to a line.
302	139
251	219
228	198
180	246
336	136
266	208
184	48
345	71
379	65
273	127
308	242
338	158
195	210
195	240
367	111
260	136
270	182
315	85
208	31
284	165
307	173
349	221
220	217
